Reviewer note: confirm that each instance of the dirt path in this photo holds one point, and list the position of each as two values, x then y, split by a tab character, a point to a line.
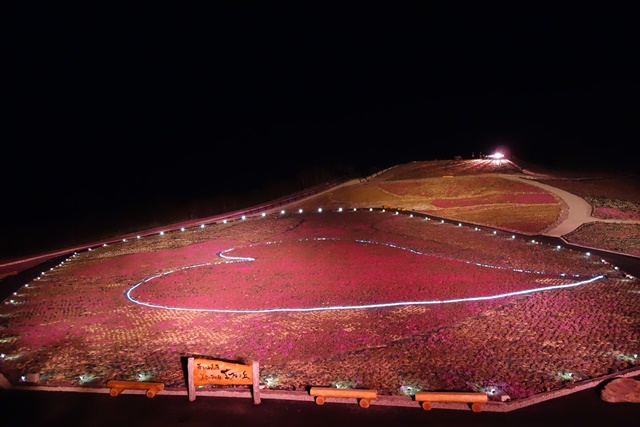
578	210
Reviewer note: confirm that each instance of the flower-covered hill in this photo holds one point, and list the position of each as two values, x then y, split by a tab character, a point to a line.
466	190
366	298
478	191
440	168
331	292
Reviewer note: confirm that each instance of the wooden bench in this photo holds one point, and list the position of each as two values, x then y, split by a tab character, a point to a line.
475	399
118	386
364	396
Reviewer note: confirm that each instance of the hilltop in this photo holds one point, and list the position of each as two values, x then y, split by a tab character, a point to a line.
502	194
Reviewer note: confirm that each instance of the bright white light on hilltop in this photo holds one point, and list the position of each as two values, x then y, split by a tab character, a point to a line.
496	156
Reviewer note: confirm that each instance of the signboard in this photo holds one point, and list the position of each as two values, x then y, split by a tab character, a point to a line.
218	372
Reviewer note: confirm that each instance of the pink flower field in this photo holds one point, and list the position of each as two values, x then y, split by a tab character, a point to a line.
464	190
359	298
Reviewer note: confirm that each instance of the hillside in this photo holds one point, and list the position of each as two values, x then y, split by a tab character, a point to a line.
501	194
348	289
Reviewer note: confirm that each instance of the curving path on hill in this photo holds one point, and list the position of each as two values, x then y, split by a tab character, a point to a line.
578	211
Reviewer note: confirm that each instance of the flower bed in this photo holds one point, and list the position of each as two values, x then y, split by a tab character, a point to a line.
132	310
485	200
610	236
607	208
439	168
497	199
465	186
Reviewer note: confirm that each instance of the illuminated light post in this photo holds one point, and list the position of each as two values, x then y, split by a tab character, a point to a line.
497	157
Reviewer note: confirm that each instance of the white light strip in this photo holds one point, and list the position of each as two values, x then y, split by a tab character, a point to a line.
517	270
231	259
365	306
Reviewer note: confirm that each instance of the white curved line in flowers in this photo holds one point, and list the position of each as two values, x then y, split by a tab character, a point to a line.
232	259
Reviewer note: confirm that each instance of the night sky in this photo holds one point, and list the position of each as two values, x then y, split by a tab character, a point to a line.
109	109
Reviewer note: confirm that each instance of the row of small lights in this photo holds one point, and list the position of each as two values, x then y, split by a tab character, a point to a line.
405	389
300	211
320	210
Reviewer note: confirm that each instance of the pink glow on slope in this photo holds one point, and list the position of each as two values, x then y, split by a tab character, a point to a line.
539	198
299	274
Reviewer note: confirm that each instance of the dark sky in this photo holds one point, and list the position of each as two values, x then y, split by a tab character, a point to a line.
179	102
